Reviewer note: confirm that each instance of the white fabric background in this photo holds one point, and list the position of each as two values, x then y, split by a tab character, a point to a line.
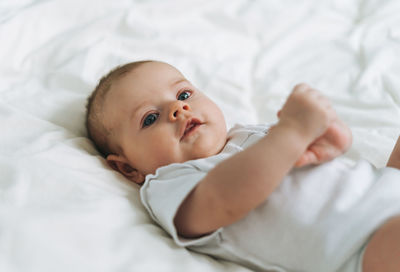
63	209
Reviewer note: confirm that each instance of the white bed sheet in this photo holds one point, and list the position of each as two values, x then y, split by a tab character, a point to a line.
63	209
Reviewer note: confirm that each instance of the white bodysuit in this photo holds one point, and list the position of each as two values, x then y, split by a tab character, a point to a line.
318	220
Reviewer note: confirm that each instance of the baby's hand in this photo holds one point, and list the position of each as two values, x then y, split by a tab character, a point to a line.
334	141
308	111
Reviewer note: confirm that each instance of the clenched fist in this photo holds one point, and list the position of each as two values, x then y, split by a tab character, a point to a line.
310	110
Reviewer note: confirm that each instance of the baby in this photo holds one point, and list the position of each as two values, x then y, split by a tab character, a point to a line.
269	198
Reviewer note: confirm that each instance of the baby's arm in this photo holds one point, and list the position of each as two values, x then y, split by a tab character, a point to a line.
242	182
394	159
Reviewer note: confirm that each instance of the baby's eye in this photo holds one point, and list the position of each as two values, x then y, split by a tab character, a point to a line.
184	95
150	119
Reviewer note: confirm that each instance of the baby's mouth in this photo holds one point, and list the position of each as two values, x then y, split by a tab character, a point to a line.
190	127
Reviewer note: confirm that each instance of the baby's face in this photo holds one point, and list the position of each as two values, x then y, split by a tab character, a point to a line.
160	118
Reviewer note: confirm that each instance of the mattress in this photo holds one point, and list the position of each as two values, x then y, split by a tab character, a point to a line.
63	209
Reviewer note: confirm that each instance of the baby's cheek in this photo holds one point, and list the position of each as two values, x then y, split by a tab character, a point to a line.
165	152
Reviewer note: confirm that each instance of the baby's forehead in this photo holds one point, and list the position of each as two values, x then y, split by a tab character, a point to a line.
143	83
154	70
142	80
146	81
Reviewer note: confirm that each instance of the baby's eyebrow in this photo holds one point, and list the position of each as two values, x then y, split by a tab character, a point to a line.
178	81
134	113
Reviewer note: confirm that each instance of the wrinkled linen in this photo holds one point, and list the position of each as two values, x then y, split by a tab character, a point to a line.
63	209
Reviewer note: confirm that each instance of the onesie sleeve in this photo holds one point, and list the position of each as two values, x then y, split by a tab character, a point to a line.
162	195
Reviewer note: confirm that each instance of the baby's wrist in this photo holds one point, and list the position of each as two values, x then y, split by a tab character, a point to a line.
297	130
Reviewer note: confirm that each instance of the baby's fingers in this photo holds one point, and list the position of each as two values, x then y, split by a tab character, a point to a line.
307	158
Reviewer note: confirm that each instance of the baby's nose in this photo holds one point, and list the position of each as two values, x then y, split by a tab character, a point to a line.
177	109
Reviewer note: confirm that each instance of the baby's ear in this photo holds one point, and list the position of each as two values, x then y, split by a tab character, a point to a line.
120	164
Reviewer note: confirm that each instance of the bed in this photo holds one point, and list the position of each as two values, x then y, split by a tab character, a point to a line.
63	209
